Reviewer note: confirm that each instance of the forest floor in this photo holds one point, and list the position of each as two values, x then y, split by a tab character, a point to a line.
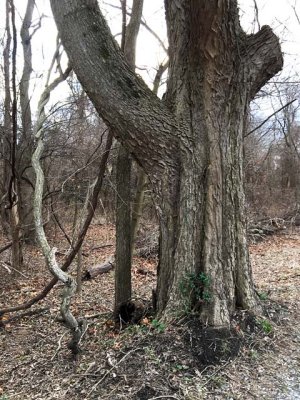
259	359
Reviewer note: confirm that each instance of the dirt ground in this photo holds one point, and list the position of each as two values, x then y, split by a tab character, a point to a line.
258	359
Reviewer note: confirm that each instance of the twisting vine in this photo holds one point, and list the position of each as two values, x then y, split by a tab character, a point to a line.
77	328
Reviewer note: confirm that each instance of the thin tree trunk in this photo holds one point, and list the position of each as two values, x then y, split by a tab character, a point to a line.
25	145
79	271
123	229
13	189
123	182
6	173
75	229
137	209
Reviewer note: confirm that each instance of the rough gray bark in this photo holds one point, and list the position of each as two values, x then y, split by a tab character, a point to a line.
191	145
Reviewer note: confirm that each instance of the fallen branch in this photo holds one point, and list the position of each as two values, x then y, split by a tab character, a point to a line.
59	345
265	227
99	269
9	267
97	315
22	315
101	246
6	247
168	396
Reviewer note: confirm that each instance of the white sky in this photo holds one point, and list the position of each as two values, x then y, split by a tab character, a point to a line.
276	13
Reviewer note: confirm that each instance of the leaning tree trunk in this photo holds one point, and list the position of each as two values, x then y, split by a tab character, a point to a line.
190	146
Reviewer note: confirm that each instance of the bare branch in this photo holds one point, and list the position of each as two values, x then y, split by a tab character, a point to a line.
145	25
269	117
256	13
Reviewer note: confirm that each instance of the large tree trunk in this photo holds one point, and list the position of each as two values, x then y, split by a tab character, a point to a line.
191	146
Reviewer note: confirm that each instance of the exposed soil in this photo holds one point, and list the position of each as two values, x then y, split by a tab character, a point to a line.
258	359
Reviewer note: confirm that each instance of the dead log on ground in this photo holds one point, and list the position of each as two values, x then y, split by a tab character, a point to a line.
258	230
99	269
292	217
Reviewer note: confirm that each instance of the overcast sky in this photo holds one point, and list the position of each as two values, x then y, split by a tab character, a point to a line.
278	14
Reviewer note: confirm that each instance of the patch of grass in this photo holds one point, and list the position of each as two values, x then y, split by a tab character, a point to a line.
218	381
180	368
159	326
136	329
263	296
225	347
152	355
254	354
266	326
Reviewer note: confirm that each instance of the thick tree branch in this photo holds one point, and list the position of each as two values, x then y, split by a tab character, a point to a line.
139	119
263	57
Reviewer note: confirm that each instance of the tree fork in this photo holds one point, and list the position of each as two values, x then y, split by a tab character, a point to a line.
190	146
